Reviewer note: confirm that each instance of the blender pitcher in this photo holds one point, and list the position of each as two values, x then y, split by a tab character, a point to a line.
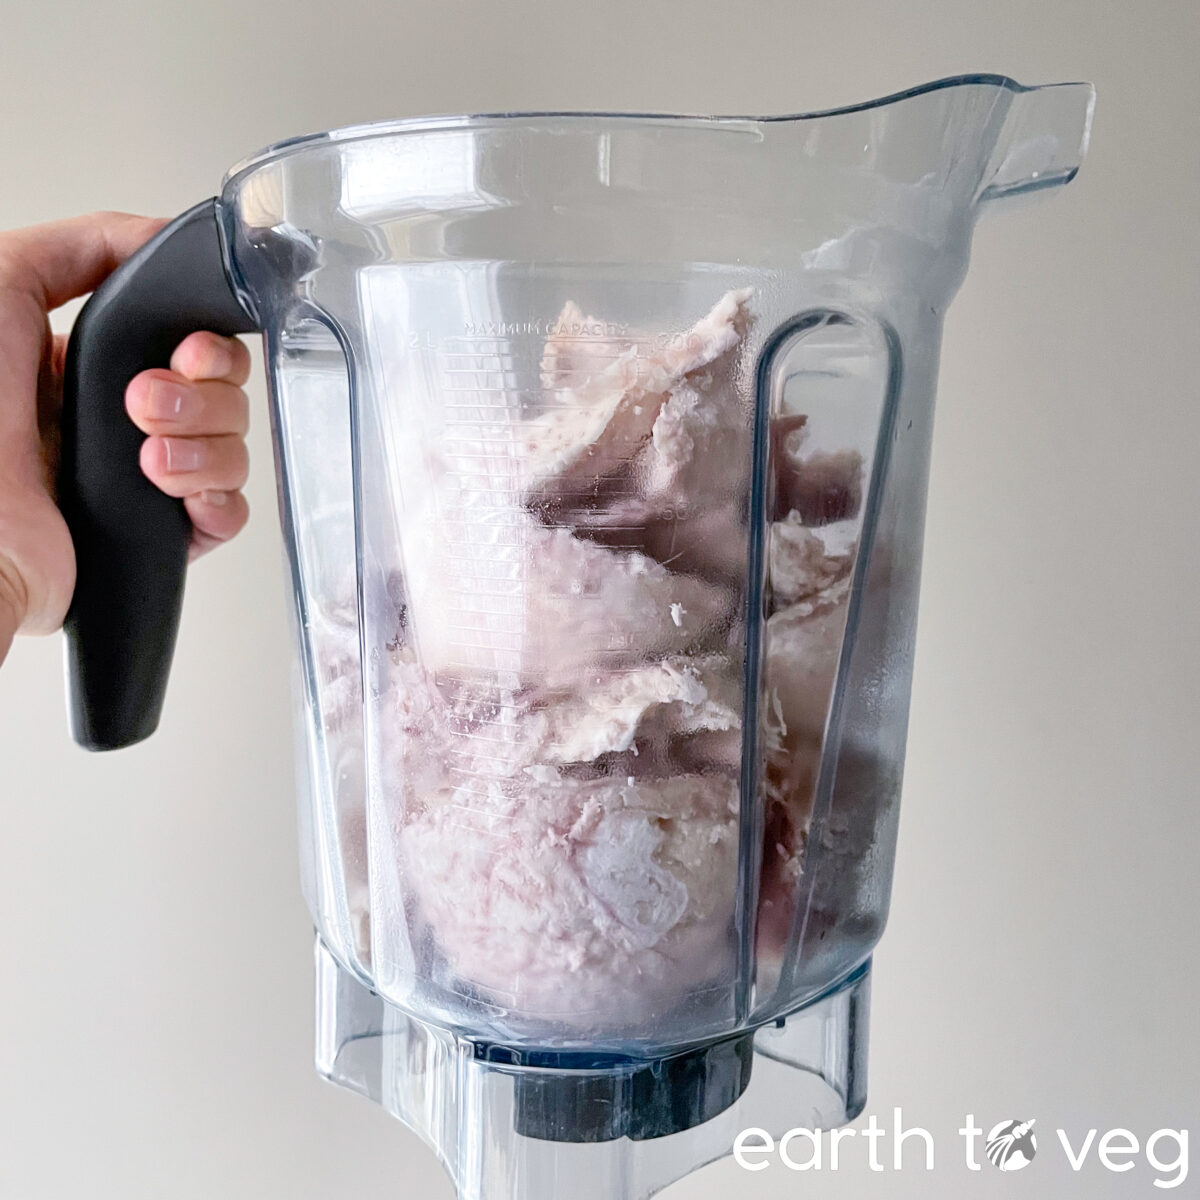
602	444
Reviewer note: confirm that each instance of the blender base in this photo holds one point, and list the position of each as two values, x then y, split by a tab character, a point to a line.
506	1131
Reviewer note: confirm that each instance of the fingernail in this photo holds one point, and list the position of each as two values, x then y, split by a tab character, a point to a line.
219	499
221	362
184	454
170	401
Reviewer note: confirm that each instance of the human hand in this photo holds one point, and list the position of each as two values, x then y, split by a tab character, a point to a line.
195	413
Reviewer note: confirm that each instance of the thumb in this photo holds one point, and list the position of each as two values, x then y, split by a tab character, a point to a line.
55	262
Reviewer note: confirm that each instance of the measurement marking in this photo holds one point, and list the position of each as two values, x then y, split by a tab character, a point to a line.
474	612
483	737
514	572
489	722
485	794
525	359
486	647
593	338
466	592
530	371
454	688
506	402
463	540
462	476
584	499
477	390
463	439
499	570
504	520
506	340
491	706
473	511
471	682
510	641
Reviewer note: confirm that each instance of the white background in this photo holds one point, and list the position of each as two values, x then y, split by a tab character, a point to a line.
1042	958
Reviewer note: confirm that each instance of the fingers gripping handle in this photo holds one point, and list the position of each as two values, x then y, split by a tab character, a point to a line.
131	540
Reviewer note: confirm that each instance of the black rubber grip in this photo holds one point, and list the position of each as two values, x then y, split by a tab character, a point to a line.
131	540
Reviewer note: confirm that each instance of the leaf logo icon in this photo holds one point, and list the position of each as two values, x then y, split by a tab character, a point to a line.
1011	1146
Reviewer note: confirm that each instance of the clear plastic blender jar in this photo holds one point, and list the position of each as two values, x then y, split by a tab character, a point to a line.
602	443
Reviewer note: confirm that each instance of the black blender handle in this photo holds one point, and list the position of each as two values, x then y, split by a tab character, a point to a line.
131	540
